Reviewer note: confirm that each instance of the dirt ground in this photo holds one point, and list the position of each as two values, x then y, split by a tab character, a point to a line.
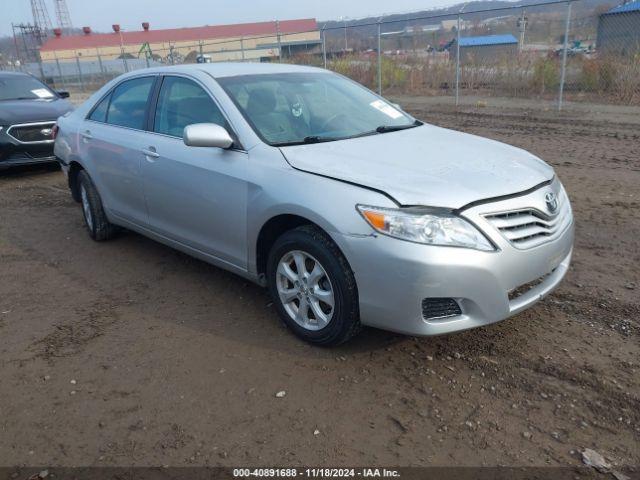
129	353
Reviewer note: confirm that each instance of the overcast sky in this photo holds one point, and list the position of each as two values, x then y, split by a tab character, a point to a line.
101	14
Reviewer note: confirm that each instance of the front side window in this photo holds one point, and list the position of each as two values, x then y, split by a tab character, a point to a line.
294	108
183	102
129	103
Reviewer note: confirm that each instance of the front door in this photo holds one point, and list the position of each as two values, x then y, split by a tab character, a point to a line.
196	196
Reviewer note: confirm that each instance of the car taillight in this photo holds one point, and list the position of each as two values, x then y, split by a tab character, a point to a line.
54	131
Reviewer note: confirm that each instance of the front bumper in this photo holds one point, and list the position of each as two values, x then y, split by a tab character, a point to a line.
14	153
394	276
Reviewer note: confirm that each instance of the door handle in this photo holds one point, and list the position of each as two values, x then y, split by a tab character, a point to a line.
150	153
86	135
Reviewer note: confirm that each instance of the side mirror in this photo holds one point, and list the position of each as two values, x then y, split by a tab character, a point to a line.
63	94
206	135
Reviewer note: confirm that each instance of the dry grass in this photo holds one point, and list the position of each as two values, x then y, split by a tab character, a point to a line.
613	79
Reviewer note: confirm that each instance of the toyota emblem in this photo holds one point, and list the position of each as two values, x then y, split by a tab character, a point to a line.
551	201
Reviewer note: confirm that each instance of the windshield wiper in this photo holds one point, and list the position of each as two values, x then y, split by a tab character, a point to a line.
17	98
319	139
308	140
395	128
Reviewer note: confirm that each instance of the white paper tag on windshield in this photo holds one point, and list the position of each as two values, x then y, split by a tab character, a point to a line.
386	109
42	93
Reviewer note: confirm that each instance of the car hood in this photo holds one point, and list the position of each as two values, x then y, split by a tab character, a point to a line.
26	111
426	165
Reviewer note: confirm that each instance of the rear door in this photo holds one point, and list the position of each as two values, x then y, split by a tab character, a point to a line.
196	196
112	142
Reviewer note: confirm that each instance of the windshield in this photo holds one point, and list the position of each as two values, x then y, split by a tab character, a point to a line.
296	108
24	87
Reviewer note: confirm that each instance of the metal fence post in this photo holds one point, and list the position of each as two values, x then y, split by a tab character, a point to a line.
563	72
242	48
380	57
124	58
41	69
80	79
279	43
324	46
458	61
100	63
60	73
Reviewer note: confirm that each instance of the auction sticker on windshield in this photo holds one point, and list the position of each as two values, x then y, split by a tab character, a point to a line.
42	93
386	109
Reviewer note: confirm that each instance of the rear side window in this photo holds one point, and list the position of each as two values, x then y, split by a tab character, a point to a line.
99	113
129	103
183	102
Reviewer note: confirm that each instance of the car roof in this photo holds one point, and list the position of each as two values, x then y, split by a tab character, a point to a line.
233	69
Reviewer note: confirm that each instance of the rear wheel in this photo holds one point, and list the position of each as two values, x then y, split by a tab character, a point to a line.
95	219
313	287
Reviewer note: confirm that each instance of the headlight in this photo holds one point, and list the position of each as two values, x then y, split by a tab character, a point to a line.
429	228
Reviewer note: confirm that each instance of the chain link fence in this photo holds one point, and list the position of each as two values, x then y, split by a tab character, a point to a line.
554	52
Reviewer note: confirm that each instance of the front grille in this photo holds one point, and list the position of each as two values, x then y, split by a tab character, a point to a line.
32	133
433	308
530	227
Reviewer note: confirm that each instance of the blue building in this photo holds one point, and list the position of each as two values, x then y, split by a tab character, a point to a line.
485	49
619	30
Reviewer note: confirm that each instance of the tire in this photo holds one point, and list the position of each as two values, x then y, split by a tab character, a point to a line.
333	282
99	227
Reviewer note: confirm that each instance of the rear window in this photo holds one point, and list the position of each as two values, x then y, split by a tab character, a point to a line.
129	103
99	113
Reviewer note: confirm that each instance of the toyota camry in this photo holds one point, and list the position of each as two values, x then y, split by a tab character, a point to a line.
351	211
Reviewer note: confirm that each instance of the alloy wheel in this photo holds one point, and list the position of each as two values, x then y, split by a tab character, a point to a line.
305	290
86	207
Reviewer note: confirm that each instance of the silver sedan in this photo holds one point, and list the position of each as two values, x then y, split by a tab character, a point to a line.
348	209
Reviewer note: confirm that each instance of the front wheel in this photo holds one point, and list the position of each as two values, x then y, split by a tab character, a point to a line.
313	287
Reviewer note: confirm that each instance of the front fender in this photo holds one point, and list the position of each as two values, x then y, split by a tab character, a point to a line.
328	203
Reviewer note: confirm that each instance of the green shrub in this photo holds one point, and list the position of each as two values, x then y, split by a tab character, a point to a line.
393	74
545	75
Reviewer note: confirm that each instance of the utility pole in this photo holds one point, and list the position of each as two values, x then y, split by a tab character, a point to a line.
522	26
346	39
279	42
345	26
